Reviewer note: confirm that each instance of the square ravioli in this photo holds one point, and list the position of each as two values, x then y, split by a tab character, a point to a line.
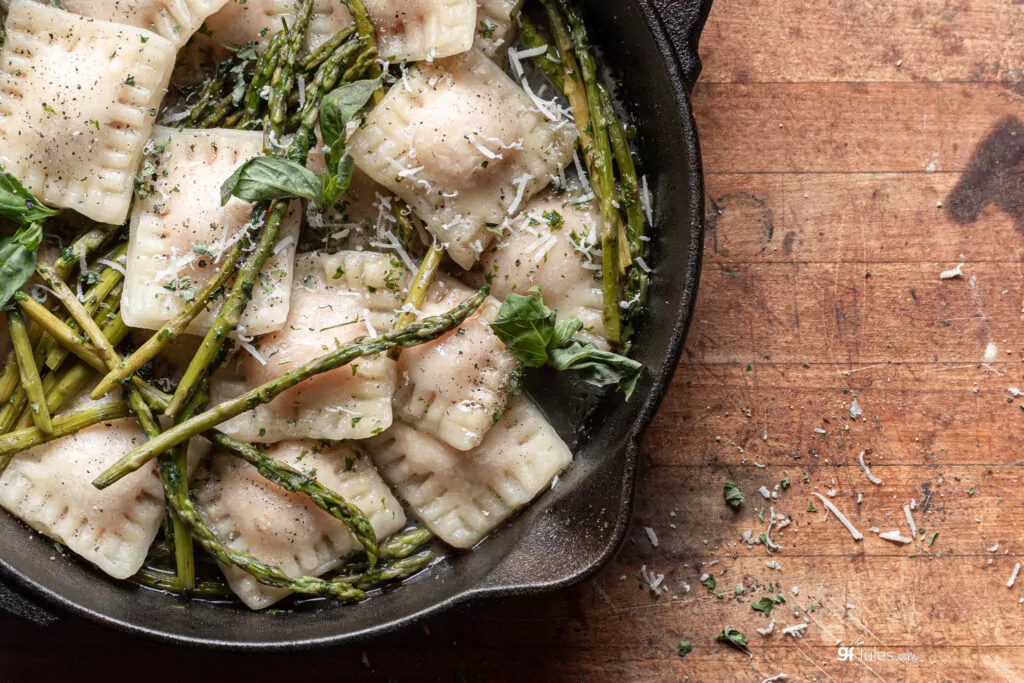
180	232
411	30
72	125
286	530
49	488
554	246
351	402
464	146
462	497
496	24
457	387
257	21
175	20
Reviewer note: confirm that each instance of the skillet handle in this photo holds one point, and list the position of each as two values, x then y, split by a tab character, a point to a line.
684	22
13	602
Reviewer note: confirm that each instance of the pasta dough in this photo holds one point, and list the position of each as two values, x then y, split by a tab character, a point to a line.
180	232
407	30
49	488
549	247
496	24
411	30
464	146
352	402
175	20
286	530
456	388
257	21
72	125
462	497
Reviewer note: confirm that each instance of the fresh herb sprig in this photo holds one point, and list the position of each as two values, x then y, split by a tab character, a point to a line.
534	335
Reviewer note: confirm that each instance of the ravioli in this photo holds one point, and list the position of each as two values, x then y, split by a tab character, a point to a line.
257	21
363	219
495	24
457	387
352	402
180	233
175	20
412	30
550	247
464	146
72	125
407	30
48	487
462	497
286	530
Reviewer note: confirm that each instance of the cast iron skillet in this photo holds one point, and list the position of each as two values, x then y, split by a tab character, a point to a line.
572	530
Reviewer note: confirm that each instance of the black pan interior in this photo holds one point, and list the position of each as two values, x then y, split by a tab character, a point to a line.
573	529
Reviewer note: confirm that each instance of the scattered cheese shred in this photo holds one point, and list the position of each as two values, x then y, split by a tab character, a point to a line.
767	630
857	536
1013	576
953	273
895	537
867	470
651	536
910	521
796	630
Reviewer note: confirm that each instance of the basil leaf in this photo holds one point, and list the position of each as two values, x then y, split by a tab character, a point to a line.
526	326
733	495
337	184
340	107
735	638
270	178
597	366
18	259
763	605
18	204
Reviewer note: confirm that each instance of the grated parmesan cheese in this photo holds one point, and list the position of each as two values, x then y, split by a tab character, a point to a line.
857	536
895	537
1013	576
910	521
768	629
796	630
953	273
867	470
651	536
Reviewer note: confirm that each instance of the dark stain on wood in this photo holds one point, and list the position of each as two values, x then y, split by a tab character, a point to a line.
995	175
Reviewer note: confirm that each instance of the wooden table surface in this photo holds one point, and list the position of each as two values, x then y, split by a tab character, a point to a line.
854	150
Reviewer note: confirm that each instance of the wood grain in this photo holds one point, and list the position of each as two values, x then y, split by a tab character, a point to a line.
832	132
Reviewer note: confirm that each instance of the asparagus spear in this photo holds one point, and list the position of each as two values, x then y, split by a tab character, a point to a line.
417	333
151	577
109	279
173	329
30	380
291	479
261	78
88	242
574	51
176	493
214	345
369	37
318	56
404	544
392	571
59	330
550	64
63	425
283	80
421	284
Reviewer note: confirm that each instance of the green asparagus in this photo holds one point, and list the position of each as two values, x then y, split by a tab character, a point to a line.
417	333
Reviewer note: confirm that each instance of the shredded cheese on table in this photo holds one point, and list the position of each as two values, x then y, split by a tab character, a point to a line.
857	536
